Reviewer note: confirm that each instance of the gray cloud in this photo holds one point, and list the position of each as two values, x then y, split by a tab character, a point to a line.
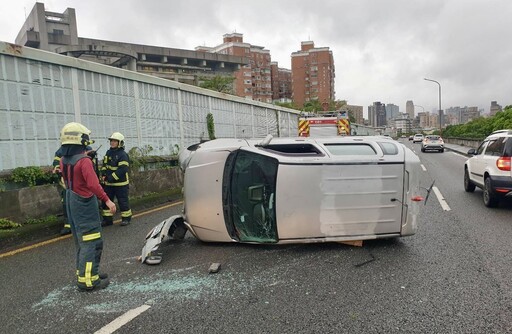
382	49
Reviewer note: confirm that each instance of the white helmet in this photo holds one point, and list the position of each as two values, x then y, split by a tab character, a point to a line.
75	134
119	137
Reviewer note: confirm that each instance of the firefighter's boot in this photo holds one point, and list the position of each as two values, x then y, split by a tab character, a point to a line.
101	285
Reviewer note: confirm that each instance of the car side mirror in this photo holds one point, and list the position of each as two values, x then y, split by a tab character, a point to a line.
472	151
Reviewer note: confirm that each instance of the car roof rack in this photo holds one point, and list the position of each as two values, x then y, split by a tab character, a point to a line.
507	131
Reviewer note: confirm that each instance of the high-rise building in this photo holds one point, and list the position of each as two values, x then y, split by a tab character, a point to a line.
356	112
403	123
409	109
469	114
281	83
462	114
377	114
254	79
392	111
495	108
312	74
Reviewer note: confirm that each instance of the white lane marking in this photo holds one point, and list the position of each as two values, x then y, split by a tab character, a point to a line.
423	167
122	320
441	199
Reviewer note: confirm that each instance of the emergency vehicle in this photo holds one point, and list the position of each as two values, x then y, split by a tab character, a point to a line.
327	125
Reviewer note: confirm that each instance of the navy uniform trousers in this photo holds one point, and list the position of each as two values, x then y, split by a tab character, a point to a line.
85	221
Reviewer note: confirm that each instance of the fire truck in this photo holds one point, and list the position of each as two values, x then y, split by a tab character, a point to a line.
324	125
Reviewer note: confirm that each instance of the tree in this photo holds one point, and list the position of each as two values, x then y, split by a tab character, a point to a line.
218	83
289	105
312	106
481	127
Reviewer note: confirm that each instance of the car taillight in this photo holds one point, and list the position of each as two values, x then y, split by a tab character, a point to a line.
503	163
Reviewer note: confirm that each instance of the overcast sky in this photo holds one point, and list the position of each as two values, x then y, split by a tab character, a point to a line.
382	49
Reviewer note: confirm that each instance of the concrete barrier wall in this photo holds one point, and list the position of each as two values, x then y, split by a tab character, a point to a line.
40	201
41	91
470	143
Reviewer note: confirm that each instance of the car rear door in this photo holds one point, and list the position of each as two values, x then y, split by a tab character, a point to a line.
478	163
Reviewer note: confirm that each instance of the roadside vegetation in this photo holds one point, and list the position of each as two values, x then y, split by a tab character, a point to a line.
481	127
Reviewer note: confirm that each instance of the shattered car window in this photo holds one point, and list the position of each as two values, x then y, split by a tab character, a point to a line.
249	201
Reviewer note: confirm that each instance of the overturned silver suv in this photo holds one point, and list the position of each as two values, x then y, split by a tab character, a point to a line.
294	190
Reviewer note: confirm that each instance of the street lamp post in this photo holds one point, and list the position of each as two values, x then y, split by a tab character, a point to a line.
422	109
440	111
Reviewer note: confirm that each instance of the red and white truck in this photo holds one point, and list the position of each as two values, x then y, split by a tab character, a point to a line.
327	125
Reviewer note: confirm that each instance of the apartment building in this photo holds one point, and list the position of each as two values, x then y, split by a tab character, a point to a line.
57	32
377	114
312	74
253	80
403	123
392	111
356	112
463	114
495	108
409	109
281	83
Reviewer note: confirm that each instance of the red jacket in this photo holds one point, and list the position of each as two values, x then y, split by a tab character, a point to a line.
85	181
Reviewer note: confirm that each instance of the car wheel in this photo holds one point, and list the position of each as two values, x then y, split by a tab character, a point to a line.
441	150
490	199
422	149
468	185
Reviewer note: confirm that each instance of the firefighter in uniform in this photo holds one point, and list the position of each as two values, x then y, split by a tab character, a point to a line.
82	193
115	168
66	229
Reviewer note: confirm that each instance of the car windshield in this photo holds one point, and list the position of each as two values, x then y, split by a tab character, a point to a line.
249	196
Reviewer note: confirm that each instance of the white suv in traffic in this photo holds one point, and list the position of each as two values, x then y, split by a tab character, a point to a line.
418	138
489	168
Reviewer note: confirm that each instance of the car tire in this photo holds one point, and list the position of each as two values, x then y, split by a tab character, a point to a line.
441	150
490	199
422	149
468	185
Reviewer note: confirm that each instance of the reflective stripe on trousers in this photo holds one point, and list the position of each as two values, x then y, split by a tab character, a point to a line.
83	215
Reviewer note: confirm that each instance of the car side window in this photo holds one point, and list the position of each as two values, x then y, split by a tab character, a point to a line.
388	148
507	152
495	147
481	148
350	149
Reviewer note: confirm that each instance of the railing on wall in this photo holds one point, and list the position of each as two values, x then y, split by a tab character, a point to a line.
41	91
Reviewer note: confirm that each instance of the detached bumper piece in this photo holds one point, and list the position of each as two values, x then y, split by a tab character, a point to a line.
171	228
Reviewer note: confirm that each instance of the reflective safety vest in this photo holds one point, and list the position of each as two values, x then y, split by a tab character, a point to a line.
115	167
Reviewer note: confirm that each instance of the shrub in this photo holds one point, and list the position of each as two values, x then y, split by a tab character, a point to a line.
44	220
6	224
32	176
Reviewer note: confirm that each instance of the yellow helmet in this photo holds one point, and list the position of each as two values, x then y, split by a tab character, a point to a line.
119	137
75	134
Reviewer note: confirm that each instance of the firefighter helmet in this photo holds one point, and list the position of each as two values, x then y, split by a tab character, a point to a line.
119	137
75	134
